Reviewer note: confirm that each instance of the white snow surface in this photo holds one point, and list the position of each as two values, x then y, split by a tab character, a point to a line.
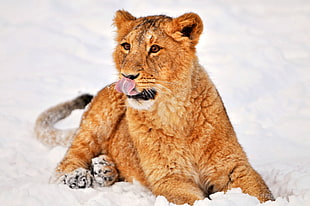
257	53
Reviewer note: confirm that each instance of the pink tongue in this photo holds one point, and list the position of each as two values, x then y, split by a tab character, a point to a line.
126	86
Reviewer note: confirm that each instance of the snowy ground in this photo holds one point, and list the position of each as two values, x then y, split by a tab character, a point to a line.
257	53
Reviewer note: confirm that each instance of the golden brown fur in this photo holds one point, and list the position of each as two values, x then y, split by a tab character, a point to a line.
180	143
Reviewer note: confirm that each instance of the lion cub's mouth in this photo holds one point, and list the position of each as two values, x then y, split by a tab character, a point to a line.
128	87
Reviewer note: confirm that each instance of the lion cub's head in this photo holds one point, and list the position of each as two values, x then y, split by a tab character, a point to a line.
155	56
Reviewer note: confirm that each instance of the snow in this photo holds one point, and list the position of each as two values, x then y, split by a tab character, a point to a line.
257	53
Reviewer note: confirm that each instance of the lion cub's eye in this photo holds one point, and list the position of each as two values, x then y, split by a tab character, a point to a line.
155	48
126	46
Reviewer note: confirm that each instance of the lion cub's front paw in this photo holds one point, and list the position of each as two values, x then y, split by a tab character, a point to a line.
103	171
79	178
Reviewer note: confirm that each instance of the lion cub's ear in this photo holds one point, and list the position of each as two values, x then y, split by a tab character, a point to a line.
189	26
123	17
124	22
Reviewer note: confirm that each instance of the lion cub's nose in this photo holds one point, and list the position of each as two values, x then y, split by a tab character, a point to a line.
131	76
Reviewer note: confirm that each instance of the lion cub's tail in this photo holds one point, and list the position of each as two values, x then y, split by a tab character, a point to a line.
44	126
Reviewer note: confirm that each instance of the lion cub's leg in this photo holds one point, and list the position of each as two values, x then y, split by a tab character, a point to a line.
74	169
178	190
92	139
251	183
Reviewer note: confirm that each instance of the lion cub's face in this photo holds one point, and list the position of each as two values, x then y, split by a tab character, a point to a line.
154	55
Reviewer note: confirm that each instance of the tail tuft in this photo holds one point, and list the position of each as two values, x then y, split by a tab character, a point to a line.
83	100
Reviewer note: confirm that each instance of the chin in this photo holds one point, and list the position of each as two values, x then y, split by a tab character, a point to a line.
140	104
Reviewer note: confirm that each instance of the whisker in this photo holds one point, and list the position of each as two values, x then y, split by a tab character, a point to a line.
162	89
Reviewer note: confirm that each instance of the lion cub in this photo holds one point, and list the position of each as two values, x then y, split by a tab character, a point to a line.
162	123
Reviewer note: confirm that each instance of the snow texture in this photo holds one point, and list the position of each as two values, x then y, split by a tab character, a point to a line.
257	53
